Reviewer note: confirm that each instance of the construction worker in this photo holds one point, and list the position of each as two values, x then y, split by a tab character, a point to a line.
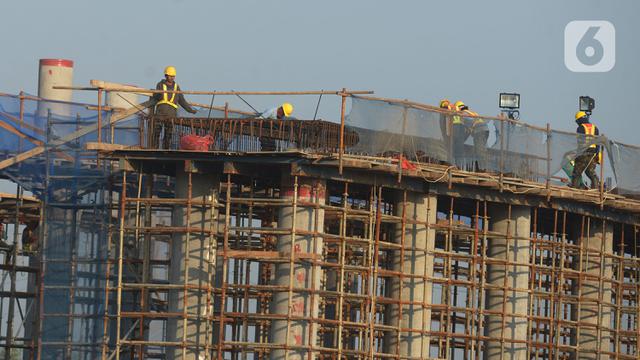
30	237
283	111
277	113
459	132
445	126
480	134
166	107
588	152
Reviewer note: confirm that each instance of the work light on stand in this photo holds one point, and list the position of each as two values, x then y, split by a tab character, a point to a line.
587	104
510	103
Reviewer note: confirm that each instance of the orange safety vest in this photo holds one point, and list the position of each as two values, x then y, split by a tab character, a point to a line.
590	131
165	96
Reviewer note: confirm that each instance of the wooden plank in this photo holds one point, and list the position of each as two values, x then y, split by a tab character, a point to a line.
111	86
4	195
106	146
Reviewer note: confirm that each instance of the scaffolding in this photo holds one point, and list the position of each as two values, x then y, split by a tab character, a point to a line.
325	245
17	272
376	271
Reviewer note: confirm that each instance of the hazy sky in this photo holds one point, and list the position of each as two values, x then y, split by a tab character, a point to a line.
419	50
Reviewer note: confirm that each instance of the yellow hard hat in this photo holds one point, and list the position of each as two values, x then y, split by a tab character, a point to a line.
170	70
444	103
459	105
580	114
287	109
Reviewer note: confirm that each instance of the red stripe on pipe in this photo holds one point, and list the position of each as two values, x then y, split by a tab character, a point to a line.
56	62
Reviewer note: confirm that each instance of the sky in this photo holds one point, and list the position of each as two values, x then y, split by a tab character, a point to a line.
419	50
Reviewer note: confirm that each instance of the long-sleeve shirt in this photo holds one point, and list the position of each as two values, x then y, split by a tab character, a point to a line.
273	114
165	109
270	113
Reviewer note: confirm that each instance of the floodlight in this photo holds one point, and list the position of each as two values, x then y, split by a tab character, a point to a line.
587	104
509	101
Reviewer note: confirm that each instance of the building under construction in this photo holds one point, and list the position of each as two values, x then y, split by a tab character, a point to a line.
369	236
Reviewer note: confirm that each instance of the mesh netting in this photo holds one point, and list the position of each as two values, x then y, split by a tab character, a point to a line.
385	129
72	186
421	133
627	161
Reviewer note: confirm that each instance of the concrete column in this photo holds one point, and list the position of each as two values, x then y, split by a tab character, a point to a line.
513	246
200	265
418	207
302	303
592	245
124	100
54	72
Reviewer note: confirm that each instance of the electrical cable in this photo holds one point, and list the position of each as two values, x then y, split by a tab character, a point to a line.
317	106
211	106
245	101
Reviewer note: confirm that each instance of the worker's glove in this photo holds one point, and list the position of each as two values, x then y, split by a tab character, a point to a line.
193	111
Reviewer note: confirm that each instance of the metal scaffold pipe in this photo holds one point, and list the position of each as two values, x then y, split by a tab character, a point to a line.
153	91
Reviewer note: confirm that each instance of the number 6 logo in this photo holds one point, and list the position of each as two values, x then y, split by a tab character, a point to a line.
589	46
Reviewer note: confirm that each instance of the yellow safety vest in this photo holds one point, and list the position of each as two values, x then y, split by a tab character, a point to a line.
165	96
456	119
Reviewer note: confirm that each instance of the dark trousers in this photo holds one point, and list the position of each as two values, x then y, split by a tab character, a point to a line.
445	130
163	118
480	138
459	136
586	162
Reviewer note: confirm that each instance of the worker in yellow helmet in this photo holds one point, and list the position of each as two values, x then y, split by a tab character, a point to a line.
459	133
445	126
281	112
479	131
588	152
166	107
